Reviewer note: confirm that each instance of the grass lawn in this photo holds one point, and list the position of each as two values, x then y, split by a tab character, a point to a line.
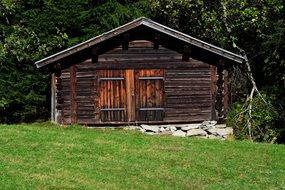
45	156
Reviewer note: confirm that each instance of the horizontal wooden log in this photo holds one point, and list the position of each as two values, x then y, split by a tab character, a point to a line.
85	86
195	69
65	75
169	93
183	111
197	118
186	114
86	96
85	104
151	109
112	109
80	108
85	79
140	51
170	101
188	79
185	84
189	89
85	75
85	114
133	56
192	74
87	121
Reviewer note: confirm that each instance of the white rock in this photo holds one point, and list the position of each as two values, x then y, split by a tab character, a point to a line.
209	123
196	132
190	126
221	131
142	130
205	122
152	128
161	129
213	131
221	126
226	131
209	126
172	128
150	133
179	133
167	128
133	127
166	133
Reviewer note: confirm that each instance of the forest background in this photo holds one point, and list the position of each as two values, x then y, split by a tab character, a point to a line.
33	29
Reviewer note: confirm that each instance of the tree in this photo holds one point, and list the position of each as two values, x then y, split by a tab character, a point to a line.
33	29
250	28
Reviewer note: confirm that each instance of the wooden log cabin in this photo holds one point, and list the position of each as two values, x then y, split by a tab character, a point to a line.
141	72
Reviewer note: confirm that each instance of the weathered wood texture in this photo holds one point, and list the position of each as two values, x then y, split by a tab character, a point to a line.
87	92
65	93
149	94
130	95
73	94
138	84
112	95
213	91
188	94
53	97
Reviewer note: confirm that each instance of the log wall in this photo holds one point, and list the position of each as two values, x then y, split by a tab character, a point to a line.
188	95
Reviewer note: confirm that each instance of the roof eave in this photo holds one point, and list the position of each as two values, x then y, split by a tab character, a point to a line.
194	41
137	22
81	46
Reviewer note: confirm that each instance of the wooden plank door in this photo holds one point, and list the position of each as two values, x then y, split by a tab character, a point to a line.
130	93
149	94
112	95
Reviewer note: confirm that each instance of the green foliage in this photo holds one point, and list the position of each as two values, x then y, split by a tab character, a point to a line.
23	89
264	116
192	17
255	26
31	30
273	52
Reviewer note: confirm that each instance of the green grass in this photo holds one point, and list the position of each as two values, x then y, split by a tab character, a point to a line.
45	156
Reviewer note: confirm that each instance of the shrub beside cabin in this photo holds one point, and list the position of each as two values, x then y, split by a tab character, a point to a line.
141	72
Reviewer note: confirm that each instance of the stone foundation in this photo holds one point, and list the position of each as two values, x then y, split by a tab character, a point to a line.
207	129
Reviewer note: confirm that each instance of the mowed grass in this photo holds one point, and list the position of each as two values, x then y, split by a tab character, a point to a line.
46	156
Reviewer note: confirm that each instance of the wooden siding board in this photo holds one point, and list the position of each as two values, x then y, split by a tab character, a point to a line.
110	97
187	89
149	94
73	102
213	91
85	93
226	91
188	93
66	94
130	92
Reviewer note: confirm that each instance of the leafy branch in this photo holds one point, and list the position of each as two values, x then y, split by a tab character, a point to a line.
248	106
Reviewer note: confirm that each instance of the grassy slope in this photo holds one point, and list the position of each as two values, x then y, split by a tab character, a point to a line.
44	156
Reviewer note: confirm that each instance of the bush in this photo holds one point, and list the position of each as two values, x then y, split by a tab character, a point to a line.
265	120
